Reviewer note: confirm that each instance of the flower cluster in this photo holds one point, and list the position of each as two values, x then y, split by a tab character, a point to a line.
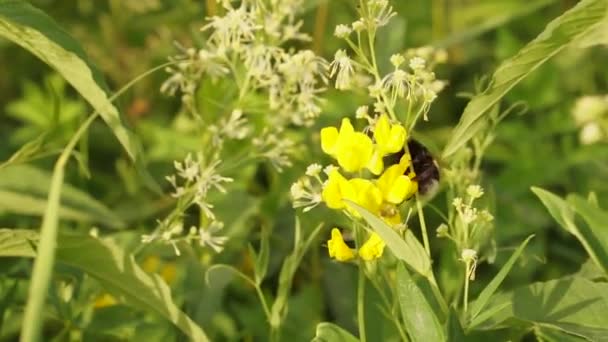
470	225
357	153
246	43
590	114
192	183
413	82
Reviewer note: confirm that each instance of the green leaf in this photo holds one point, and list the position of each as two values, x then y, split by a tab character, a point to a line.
116	270
573	305
454	328
593	238
421	322
328	332
261	260
407	249
559	209
489	290
17	242
572	26
38	33
490	15
24	190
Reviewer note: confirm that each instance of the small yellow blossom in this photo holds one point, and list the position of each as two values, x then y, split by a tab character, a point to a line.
353	150
336	189
389	137
394	185
372	248
338	248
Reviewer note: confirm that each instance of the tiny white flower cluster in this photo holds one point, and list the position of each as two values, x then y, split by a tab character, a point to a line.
193	180
306	191
234	127
469	225
468	214
246	41
172	233
590	114
414	83
274	147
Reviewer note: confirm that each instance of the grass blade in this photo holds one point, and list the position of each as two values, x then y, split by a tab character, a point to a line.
572	26
489	290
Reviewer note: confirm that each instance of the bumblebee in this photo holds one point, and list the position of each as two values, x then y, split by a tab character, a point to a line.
425	166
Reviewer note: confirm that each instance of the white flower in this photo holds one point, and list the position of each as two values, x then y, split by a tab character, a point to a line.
313	170
342	31
397	60
468	255
231	31
342	66
591	133
297	190
396	82
361	112
358	25
208	237
474	191
417	63
589	108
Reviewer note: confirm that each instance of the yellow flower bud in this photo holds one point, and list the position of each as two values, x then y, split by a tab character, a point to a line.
389	138
337	247
372	248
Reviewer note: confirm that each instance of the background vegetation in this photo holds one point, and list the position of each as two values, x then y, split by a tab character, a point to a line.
116	188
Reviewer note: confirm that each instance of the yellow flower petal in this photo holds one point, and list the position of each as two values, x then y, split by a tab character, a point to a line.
389	138
394	218
329	138
354	151
399	191
372	248
375	164
396	139
366	194
336	189
337	247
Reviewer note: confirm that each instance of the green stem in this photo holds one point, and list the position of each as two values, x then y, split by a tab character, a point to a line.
361	302
425	236
45	259
466	286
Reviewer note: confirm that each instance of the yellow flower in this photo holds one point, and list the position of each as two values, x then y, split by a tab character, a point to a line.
367	195
336	189
394	185
389	138
353	150
372	248
358	190
338	248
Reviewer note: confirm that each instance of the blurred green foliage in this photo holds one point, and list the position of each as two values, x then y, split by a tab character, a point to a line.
539	147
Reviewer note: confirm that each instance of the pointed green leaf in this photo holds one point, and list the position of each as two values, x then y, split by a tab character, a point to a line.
407	249
593	238
421	322
454	329
576	24
573	305
24	190
38	33
489	290
116	270
328	332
